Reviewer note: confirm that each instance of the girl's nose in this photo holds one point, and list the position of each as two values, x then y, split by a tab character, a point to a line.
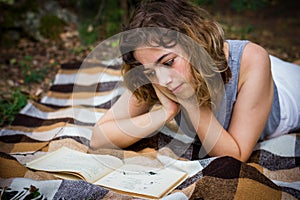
163	76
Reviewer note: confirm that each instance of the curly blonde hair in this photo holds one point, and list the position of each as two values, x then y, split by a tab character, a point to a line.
168	20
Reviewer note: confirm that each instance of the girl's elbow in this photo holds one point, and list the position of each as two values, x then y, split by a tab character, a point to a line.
94	141
243	157
93	145
240	155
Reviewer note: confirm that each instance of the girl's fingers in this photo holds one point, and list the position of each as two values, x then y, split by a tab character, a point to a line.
171	107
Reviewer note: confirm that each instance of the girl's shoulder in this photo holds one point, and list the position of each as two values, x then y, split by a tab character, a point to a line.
254	56
246	47
255	61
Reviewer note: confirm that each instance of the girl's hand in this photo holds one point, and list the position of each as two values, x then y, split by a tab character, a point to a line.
170	107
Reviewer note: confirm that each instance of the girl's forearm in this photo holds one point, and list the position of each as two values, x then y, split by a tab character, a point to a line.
124	132
214	138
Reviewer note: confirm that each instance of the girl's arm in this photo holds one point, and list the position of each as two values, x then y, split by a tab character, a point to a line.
128	121
250	112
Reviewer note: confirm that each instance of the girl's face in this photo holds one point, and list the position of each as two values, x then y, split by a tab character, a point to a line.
168	70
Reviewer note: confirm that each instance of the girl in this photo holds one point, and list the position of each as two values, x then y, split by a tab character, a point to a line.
228	93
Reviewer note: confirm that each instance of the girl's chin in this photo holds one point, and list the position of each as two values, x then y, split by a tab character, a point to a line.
171	96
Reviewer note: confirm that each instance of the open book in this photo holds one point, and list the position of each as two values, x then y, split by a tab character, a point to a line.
110	172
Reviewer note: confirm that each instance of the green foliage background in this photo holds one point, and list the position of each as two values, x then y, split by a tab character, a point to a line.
97	20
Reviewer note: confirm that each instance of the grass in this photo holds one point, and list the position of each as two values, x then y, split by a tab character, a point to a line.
15	100
10	107
30	74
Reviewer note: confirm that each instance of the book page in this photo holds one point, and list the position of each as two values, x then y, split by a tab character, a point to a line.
190	167
142	180
90	166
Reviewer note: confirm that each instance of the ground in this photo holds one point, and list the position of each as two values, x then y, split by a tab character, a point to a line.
277	30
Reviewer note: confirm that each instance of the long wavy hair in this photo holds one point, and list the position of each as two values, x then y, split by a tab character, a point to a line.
166	23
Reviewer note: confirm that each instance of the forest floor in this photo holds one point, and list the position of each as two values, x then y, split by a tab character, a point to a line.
276	31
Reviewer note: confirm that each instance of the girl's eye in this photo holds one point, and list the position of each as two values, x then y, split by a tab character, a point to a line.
169	62
150	73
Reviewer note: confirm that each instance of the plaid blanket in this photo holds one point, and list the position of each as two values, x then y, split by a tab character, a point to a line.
79	97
